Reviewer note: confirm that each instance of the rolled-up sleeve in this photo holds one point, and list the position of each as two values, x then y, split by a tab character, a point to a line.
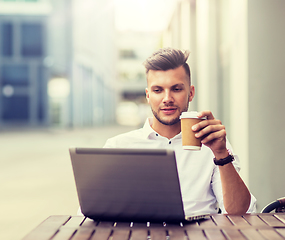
217	188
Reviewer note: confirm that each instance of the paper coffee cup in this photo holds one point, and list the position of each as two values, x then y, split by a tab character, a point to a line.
189	141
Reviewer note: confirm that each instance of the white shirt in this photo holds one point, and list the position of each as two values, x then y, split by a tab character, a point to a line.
199	177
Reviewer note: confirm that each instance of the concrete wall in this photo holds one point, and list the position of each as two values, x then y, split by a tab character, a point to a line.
237	63
266	75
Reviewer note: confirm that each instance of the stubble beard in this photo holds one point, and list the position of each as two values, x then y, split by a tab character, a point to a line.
172	121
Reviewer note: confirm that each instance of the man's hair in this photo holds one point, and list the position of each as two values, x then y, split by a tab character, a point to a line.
168	58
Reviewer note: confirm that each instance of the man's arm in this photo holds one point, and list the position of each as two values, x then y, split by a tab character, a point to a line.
236	195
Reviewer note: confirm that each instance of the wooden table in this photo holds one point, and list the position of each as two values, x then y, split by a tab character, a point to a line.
217	226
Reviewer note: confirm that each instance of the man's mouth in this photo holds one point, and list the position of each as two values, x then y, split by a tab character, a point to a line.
168	110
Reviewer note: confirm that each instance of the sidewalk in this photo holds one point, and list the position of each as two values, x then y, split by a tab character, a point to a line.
36	175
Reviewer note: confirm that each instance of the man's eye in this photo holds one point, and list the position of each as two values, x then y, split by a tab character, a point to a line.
177	89
157	90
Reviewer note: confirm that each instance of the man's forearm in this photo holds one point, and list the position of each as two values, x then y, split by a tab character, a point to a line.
236	195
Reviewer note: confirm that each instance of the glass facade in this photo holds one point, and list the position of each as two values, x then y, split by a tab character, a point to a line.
23	83
15	108
31	40
7	39
15	74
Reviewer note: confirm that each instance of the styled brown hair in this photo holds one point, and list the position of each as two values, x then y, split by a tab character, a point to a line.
166	59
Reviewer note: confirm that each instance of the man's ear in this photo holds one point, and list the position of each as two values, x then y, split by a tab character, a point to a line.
192	93
147	94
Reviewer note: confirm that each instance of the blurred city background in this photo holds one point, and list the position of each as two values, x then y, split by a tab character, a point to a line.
71	74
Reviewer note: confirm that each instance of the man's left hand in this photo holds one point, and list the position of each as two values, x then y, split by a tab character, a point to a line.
212	133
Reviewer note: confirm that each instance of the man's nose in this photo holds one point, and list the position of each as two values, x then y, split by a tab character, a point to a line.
167	97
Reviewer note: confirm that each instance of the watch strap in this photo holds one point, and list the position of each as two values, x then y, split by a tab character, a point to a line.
224	161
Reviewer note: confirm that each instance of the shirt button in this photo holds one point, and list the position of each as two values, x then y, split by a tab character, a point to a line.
169	142
156	135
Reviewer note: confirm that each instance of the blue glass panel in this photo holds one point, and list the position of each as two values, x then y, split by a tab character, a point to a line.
7	39
17	75
41	94
32	40
15	108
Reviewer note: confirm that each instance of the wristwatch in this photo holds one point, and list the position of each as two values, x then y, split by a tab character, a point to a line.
224	161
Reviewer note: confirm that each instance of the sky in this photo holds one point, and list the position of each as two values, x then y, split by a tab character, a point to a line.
143	15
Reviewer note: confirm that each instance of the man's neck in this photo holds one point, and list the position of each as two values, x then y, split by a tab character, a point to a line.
168	131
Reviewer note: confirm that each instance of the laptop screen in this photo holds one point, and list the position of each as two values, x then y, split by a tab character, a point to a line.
127	184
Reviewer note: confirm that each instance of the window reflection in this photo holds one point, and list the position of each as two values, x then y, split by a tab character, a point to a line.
32	40
15	108
15	74
7	39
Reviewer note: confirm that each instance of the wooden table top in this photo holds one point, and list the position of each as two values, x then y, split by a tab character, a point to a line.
217	226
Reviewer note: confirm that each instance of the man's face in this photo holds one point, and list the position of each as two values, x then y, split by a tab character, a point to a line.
169	93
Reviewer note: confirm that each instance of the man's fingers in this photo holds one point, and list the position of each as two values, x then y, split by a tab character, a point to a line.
214	135
208	114
205	123
209	130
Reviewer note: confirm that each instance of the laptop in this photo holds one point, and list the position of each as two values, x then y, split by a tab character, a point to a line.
137	185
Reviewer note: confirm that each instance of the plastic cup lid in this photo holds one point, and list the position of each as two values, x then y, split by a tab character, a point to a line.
192	114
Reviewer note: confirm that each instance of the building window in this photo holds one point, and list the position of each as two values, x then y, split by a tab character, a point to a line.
32	40
15	108
15	75
7	39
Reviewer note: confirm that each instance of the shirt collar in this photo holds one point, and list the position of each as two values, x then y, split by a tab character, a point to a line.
148	131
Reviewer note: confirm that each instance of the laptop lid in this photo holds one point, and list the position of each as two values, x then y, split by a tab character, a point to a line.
127	184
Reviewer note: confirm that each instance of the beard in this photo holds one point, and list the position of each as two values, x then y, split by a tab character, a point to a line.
171	121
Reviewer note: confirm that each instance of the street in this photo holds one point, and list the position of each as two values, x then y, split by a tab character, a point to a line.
36	174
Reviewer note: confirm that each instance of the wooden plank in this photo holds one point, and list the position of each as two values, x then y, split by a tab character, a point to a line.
196	234
238	221
139	234
270	234
214	234
254	220
281	231
64	233
280	216
120	234
157	233
222	220
233	234
41	234
57	220
271	220
74	221
252	234
47	228
101	234
176	233
83	234
193	225
89	223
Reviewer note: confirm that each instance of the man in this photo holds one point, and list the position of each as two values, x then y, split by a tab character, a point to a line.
206	186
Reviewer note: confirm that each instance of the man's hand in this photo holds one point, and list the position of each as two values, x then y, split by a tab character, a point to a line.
235	193
213	134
